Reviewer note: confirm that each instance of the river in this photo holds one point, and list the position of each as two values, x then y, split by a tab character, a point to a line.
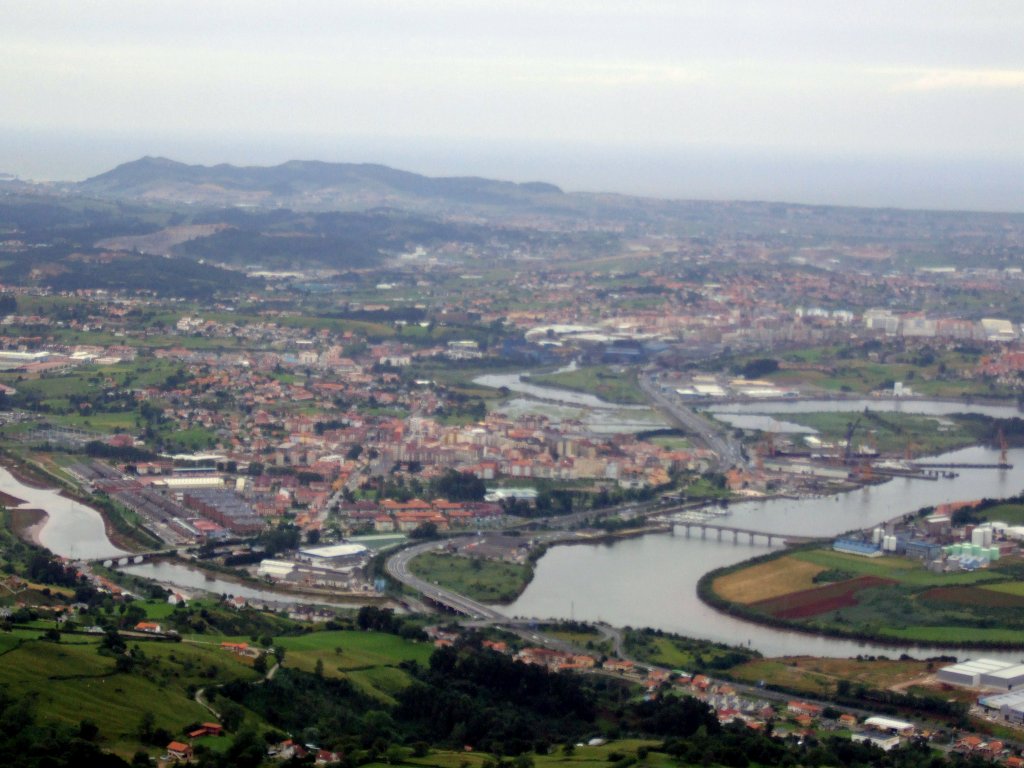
557	404
761	415
647	581
650	581
77	532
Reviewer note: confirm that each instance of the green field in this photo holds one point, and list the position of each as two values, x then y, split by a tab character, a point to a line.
590	641
581	757
1011	514
612	384
936	373
891	433
369	659
819	676
672	443
489	581
70	681
955	635
894	597
900	569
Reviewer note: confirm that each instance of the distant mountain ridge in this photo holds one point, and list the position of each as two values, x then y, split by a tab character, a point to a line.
308	184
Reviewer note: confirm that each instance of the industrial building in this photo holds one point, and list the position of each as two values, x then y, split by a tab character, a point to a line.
891	726
969	673
225	508
1008	679
1009	706
884	742
333	556
856	547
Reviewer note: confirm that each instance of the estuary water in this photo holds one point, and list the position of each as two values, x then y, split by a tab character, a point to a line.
651	580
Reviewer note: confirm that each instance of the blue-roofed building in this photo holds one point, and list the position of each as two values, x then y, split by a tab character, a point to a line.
856	547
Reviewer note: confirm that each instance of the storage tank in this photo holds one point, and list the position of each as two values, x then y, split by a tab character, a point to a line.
890	544
993	554
977	550
978	537
877	535
958	549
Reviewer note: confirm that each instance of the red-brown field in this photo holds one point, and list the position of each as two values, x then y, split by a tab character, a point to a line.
811	602
973	596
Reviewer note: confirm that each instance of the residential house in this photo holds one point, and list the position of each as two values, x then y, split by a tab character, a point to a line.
176	750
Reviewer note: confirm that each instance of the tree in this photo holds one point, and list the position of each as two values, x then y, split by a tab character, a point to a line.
88	730
246	751
426	530
147	723
459	486
759	367
231	715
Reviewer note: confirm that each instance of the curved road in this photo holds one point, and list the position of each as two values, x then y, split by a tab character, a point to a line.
397	567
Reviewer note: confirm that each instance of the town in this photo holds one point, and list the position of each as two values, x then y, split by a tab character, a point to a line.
310	475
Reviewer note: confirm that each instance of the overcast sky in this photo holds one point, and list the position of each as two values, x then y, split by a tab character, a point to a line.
859	102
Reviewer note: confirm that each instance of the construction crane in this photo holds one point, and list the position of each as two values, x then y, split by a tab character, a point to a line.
850	429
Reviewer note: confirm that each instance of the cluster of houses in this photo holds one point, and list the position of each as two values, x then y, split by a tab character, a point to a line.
390	515
802	717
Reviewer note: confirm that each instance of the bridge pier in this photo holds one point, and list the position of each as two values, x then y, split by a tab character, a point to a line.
703	531
719	534
769	539
735	537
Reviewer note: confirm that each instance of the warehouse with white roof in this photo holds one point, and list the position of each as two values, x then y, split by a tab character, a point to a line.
333	555
1009	706
1008	679
968	673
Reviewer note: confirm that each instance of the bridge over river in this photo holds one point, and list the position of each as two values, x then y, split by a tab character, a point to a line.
135	558
736	531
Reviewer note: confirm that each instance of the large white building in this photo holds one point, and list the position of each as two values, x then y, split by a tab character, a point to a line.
979	673
334	555
1008	679
1010	706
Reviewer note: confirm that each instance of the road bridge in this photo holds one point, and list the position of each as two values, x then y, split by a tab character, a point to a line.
397	567
135	558
736	532
728	451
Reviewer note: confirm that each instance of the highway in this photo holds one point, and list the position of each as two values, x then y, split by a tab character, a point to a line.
398	568
727	449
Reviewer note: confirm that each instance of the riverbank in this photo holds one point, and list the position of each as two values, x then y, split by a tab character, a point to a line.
890	599
496	582
27	523
36	475
218	582
600	381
